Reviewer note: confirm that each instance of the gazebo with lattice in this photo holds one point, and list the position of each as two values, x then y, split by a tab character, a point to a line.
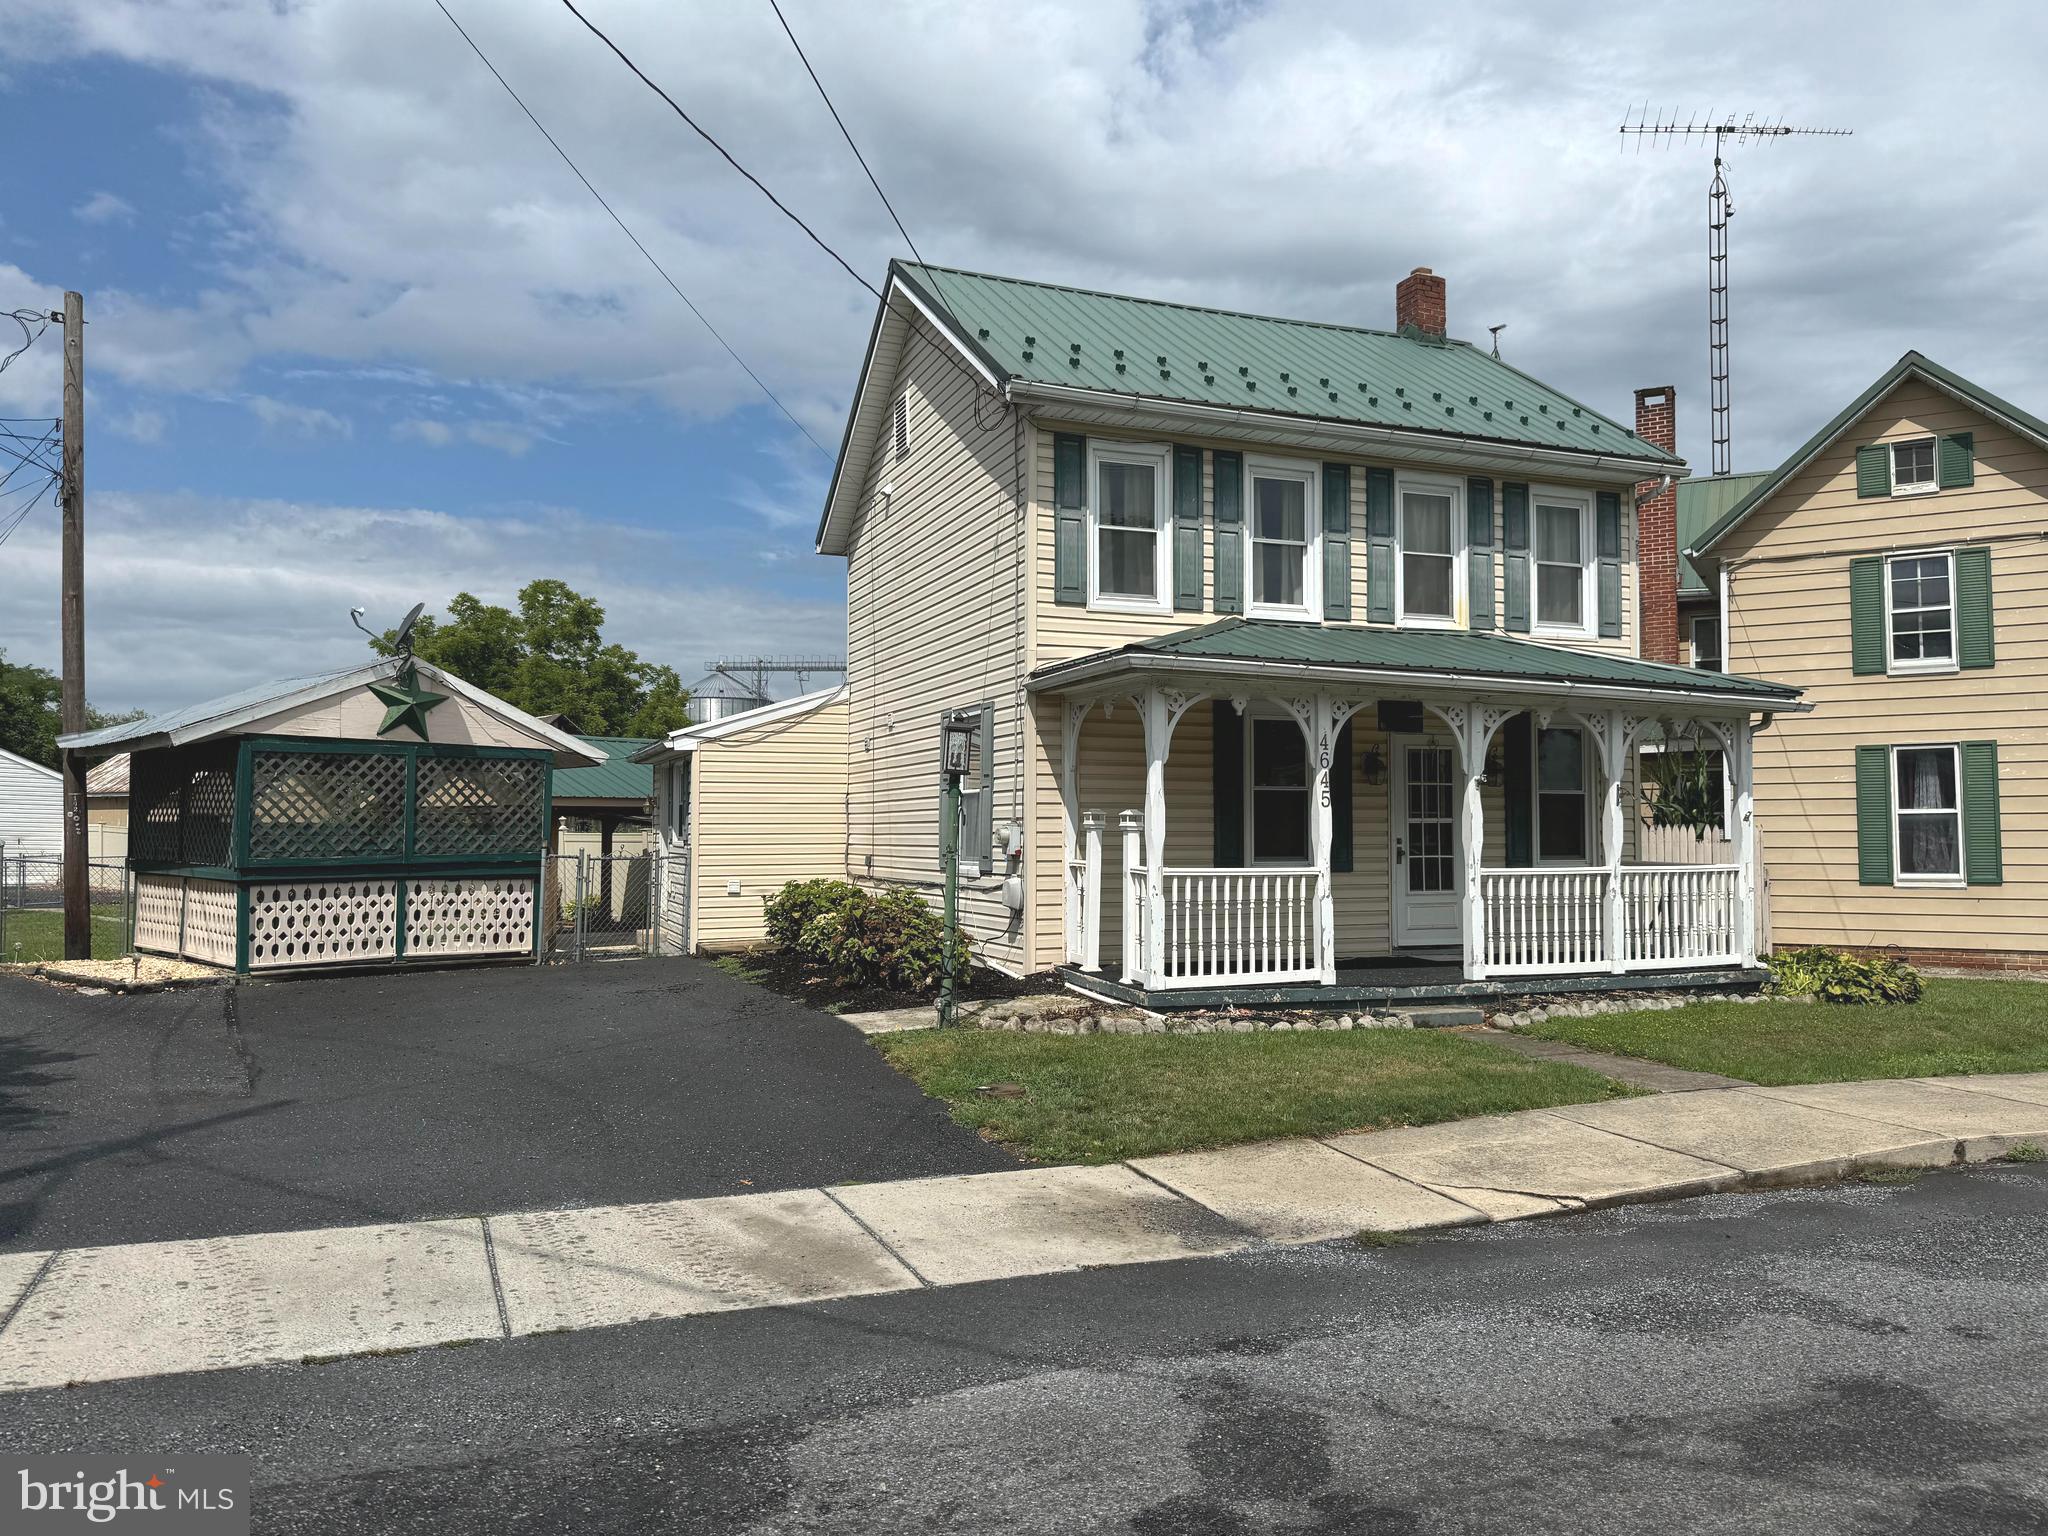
386	814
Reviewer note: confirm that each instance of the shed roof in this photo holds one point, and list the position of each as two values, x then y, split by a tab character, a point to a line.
616	778
1701	504
687	740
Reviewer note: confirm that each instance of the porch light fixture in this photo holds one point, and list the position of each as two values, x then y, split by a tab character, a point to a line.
1372	766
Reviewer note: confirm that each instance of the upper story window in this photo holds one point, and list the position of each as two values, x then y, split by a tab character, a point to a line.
1432	550
1913	467
1127	527
1706	643
1563	557
1282	534
1920	612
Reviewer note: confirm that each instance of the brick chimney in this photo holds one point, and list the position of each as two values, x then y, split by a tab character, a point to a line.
1657	530
1419	302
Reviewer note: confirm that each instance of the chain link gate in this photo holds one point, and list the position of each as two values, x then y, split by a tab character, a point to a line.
601	906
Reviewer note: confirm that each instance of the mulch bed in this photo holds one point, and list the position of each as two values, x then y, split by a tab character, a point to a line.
803	982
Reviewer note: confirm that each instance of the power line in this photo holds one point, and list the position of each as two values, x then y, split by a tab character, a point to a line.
21	317
759	382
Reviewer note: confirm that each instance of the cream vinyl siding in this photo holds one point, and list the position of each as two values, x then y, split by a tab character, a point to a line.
768	806
1789	621
935	621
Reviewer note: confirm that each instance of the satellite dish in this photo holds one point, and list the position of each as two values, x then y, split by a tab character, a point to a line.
401	642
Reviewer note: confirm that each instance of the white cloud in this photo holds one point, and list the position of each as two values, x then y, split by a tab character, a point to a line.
104	208
435	434
140	425
504	436
295	420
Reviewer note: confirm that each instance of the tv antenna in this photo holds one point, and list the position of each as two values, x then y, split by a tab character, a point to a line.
401	638
1720	209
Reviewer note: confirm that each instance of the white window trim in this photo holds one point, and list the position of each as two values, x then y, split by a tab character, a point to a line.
1949	663
1721	659
1918	488
1251	821
1899	876
1590	859
1160	457
1588	627
1310	474
1460	595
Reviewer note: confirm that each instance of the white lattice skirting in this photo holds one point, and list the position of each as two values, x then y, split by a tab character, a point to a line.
328	922
210	921
482	916
160	914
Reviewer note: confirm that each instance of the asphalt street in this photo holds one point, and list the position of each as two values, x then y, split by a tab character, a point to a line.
1867	1358
438	1093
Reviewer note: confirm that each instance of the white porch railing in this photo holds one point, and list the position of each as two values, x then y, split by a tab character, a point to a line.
1543	920
1674	915
1239	925
1137	904
1077	898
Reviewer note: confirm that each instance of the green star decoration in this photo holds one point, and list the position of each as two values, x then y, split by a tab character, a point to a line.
406	702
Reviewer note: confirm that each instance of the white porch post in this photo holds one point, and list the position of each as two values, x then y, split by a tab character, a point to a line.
1741	759
1091	890
1472	744
1132	825
1322	745
1613	739
1070	798
1157	715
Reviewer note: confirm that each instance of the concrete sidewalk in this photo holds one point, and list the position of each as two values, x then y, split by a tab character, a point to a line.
147	1309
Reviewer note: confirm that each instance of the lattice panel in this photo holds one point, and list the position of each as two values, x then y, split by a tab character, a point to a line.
154	782
326	805
210	818
490	915
322	922
210	921
158	899
481	805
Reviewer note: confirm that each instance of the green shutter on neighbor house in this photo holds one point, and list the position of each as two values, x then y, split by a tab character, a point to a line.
1607	534
1975	646
980	831
1070	518
1379	541
1956	463
1874	470
1866	616
1226	782
1514	538
1340	803
1229	559
1187	528
1479	558
1518	751
1337	541
1983	847
1874	815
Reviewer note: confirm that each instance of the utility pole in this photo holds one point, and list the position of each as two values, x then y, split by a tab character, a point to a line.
77	888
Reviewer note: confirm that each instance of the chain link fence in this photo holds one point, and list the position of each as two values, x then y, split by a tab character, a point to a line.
601	906
32	908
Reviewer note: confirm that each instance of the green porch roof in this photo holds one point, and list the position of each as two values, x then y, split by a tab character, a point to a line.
1452	652
1701	504
1045	334
616	778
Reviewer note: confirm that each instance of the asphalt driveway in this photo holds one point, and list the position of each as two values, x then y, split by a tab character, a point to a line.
435	1093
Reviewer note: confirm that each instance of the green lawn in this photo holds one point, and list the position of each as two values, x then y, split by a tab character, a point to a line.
39	935
1098	1098
1959	1026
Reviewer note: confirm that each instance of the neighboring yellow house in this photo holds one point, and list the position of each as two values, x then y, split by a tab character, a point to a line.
744	805
1894	568
1337	631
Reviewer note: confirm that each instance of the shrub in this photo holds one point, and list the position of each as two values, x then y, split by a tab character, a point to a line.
790	910
894	940
1834	977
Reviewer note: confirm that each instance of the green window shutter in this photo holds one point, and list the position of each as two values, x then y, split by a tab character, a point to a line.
1340	804
1514	538
1955	460
1226	781
1229	559
1974	644
1866	616
1983	852
1337	541
1874	815
1518	752
1873	470
980	830
1479	558
1069	518
1607	533
1187	528
1379	539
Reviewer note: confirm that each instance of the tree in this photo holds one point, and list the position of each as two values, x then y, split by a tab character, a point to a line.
31	704
551	658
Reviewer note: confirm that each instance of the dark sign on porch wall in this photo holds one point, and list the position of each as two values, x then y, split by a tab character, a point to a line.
1400	717
1517	754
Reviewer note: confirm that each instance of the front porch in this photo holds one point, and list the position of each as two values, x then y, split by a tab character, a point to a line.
1238	823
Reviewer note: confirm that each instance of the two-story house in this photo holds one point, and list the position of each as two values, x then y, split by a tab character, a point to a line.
1893	567
1296	650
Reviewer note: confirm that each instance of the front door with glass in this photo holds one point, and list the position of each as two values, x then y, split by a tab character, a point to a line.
1427	870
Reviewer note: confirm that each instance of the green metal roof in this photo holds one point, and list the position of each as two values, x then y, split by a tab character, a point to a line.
613	779
1450	651
1701	504
1045	334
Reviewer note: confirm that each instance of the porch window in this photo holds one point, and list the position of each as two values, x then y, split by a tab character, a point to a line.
1128	516
1429	554
1929	816
1282	537
1562	543
1920	604
1278	788
1913	467
1561	798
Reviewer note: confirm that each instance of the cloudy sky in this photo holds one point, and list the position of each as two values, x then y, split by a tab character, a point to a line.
357	336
